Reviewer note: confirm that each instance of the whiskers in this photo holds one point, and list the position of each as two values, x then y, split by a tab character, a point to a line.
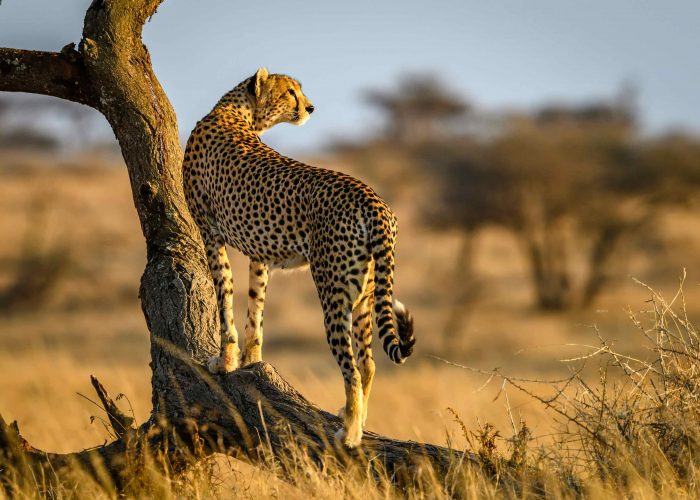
299	120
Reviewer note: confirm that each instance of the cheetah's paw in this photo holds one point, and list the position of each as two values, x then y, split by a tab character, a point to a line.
350	439
248	357
219	364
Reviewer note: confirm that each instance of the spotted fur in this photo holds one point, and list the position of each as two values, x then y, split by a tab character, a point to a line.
283	214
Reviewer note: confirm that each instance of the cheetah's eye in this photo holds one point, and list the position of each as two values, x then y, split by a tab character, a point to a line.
292	93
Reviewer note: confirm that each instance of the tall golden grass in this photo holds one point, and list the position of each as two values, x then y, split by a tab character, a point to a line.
634	432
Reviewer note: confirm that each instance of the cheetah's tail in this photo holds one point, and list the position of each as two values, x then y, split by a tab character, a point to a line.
394	321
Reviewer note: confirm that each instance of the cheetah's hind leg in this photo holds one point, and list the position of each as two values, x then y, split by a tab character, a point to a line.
362	335
338	316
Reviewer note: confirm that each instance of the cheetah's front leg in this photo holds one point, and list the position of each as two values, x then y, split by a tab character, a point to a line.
227	361
258	277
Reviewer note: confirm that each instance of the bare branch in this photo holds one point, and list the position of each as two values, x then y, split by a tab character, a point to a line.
121	423
58	74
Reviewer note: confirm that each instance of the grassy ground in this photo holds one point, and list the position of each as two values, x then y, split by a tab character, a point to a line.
89	321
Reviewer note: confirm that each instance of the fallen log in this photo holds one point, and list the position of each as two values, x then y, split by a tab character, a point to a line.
251	414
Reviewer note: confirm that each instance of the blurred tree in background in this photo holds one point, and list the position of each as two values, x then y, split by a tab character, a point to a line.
419	110
572	183
35	131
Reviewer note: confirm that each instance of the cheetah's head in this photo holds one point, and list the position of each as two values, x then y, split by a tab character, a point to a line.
277	99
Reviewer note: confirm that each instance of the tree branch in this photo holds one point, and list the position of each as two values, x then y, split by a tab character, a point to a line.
58	74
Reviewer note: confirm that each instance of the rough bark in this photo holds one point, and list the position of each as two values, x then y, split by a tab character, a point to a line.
240	413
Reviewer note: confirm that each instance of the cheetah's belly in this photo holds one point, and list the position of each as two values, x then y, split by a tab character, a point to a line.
297	261
277	253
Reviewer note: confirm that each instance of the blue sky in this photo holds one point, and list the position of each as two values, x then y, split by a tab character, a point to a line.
501	54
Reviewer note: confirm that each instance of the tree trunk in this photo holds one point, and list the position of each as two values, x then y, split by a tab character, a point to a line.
547	256
604	244
237	413
552	285
465	291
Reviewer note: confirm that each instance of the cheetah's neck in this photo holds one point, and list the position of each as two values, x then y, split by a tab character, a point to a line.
236	103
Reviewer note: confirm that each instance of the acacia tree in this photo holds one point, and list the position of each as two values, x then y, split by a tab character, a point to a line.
110	70
571	191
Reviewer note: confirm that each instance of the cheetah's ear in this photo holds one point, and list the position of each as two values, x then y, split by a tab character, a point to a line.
257	81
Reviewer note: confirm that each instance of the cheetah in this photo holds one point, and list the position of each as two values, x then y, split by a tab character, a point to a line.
284	214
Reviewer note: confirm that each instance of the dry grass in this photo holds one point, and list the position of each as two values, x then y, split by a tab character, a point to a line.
90	323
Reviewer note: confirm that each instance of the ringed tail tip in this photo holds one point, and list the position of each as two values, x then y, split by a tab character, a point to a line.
404	326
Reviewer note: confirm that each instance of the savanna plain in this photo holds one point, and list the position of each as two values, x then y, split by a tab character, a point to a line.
71	255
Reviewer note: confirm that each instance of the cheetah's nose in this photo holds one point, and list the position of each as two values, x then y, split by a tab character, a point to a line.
310	108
